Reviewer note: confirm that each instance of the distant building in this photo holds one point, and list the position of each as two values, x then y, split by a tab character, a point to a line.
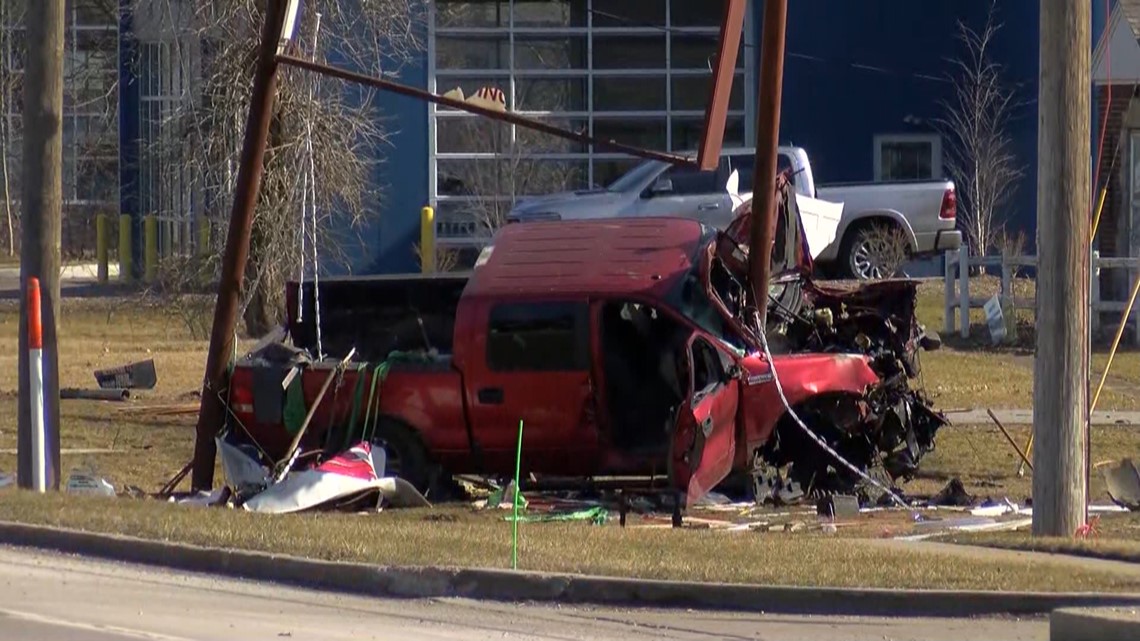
91	115
864	84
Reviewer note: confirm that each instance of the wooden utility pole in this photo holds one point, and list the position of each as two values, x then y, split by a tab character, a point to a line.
1060	384
212	412
42	210
769	93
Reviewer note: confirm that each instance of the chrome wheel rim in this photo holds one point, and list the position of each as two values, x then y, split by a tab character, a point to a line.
867	259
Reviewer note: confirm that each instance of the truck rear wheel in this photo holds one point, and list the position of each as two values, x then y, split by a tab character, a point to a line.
406	456
867	254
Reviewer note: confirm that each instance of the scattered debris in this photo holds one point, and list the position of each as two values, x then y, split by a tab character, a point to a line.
95	394
139	375
346	479
242	471
838	506
999	508
7	479
1123	481
973	524
134	492
162	410
504	498
220	496
596	515
168	489
995	319
954	494
1089	530
86	482
1013	443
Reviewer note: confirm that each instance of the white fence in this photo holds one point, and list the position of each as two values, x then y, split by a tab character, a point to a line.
957	286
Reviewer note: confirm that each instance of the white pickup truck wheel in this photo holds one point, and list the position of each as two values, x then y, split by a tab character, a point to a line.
866	254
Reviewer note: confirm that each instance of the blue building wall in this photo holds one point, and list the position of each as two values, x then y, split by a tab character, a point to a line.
402	177
129	130
855	70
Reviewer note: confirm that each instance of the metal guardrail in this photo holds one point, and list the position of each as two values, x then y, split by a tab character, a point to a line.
958	301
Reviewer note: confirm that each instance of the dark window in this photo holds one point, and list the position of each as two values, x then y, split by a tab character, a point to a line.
688	131
708	369
689	181
691	92
539	337
693	13
906	160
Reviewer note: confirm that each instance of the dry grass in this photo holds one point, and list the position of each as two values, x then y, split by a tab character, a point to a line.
1118	539
970	373
416	537
98	333
987	465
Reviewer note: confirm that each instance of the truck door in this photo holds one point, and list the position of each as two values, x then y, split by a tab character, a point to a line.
689	193
536	368
704	441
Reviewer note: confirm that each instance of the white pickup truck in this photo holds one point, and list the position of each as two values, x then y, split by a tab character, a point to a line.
924	211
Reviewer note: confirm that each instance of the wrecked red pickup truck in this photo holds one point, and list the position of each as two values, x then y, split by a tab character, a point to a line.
625	347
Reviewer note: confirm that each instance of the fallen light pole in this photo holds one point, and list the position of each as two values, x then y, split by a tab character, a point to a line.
212	411
769	94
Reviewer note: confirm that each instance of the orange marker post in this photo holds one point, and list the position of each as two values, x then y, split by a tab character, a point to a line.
36	385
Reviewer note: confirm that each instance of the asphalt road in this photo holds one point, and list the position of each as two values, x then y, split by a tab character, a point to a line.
50	597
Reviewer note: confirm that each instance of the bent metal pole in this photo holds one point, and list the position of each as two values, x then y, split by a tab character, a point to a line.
36	385
768	98
211	414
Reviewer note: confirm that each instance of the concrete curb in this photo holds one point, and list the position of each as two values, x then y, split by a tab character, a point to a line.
504	585
1094	624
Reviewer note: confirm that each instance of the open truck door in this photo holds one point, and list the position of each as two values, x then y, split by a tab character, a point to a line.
703	446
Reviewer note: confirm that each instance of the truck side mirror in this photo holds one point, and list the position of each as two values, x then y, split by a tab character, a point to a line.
661	186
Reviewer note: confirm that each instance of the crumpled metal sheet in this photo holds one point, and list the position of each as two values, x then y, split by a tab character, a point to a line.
1123	481
348	477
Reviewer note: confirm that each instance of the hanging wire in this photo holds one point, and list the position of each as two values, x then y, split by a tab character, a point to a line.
311	178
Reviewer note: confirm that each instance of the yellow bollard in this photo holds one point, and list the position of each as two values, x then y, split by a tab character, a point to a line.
101	247
427	240
150	248
125	223
203	236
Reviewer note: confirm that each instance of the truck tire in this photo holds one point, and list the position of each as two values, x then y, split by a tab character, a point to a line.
406	456
859	256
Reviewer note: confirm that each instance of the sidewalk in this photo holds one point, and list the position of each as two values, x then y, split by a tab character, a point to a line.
1025	417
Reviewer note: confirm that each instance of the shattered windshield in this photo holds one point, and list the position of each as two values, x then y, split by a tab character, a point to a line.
691	300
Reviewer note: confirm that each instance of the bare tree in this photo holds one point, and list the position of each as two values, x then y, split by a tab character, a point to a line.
11	77
504	171
981	161
326	137
90	117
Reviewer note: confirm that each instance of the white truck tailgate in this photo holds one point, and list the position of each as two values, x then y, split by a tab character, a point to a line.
821	222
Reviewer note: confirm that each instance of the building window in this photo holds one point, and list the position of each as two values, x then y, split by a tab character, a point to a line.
908	157
538	337
633	71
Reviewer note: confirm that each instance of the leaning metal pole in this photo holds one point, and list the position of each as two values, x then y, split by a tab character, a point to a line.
211	413
768	97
